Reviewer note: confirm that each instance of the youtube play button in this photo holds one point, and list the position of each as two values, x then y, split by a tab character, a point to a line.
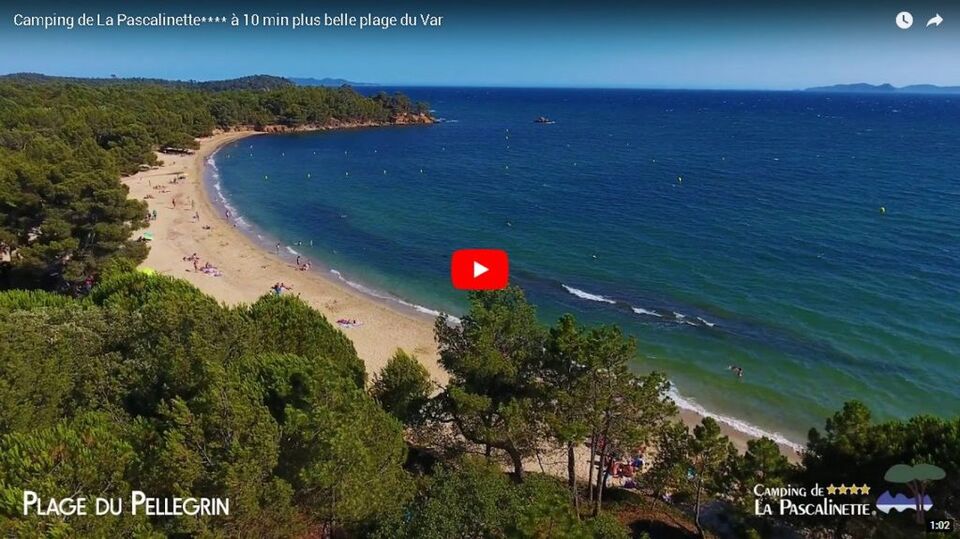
479	269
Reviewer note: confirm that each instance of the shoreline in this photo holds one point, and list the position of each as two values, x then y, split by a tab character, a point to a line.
248	270
235	253
263	240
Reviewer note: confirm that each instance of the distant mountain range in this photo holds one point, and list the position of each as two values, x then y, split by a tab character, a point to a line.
864	88
327	82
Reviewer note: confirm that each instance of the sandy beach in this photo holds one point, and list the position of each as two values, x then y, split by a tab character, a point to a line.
248	270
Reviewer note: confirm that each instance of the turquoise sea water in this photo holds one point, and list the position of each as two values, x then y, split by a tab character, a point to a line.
772	253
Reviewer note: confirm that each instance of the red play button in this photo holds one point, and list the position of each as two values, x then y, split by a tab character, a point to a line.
479	269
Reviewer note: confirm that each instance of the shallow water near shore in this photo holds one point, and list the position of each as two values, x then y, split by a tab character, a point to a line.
719	228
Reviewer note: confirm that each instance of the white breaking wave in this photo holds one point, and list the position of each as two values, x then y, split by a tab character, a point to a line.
292	251
682	318
737	424
427	310
587	295
706	323
679	317
638	310
221	198
380	295
358	286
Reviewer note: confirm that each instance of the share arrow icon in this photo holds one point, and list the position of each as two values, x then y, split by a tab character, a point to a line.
935	21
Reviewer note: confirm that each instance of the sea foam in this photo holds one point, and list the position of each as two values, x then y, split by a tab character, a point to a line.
386	297
738	425
214	174
587	295
647	312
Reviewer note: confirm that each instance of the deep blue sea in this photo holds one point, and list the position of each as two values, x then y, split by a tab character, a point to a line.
812	239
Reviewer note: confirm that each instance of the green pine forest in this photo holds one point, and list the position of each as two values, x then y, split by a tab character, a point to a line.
64	143
112	380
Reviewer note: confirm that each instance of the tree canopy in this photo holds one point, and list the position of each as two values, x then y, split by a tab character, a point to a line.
131	381
149	384
64	215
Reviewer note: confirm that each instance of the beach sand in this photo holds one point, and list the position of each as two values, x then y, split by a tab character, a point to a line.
249	270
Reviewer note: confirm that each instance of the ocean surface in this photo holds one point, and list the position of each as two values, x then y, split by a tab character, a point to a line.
812	239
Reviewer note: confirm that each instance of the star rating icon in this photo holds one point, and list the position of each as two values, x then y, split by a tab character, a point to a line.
844	489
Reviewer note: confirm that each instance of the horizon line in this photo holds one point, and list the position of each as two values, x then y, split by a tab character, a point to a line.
520	86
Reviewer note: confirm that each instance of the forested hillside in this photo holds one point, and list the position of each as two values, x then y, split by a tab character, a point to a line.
252	82
112	380
147	384
64	146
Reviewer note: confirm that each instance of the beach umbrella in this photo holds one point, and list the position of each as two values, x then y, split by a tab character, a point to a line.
148	236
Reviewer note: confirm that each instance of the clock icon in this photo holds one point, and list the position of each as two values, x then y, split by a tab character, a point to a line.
904	20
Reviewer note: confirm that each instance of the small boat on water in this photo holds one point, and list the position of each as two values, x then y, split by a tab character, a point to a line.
544	120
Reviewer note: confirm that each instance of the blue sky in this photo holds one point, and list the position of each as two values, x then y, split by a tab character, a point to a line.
608	44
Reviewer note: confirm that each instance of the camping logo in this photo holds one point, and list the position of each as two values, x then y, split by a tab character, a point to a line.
916	478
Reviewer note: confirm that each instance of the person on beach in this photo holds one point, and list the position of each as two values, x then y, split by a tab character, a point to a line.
174	202
278	247
154	215
298	261
227	213
612	468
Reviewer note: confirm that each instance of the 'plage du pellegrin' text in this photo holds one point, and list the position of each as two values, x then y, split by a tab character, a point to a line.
138	503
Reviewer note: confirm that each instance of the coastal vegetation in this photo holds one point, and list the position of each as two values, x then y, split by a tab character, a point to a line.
252	82
64	144
148	384
113	380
